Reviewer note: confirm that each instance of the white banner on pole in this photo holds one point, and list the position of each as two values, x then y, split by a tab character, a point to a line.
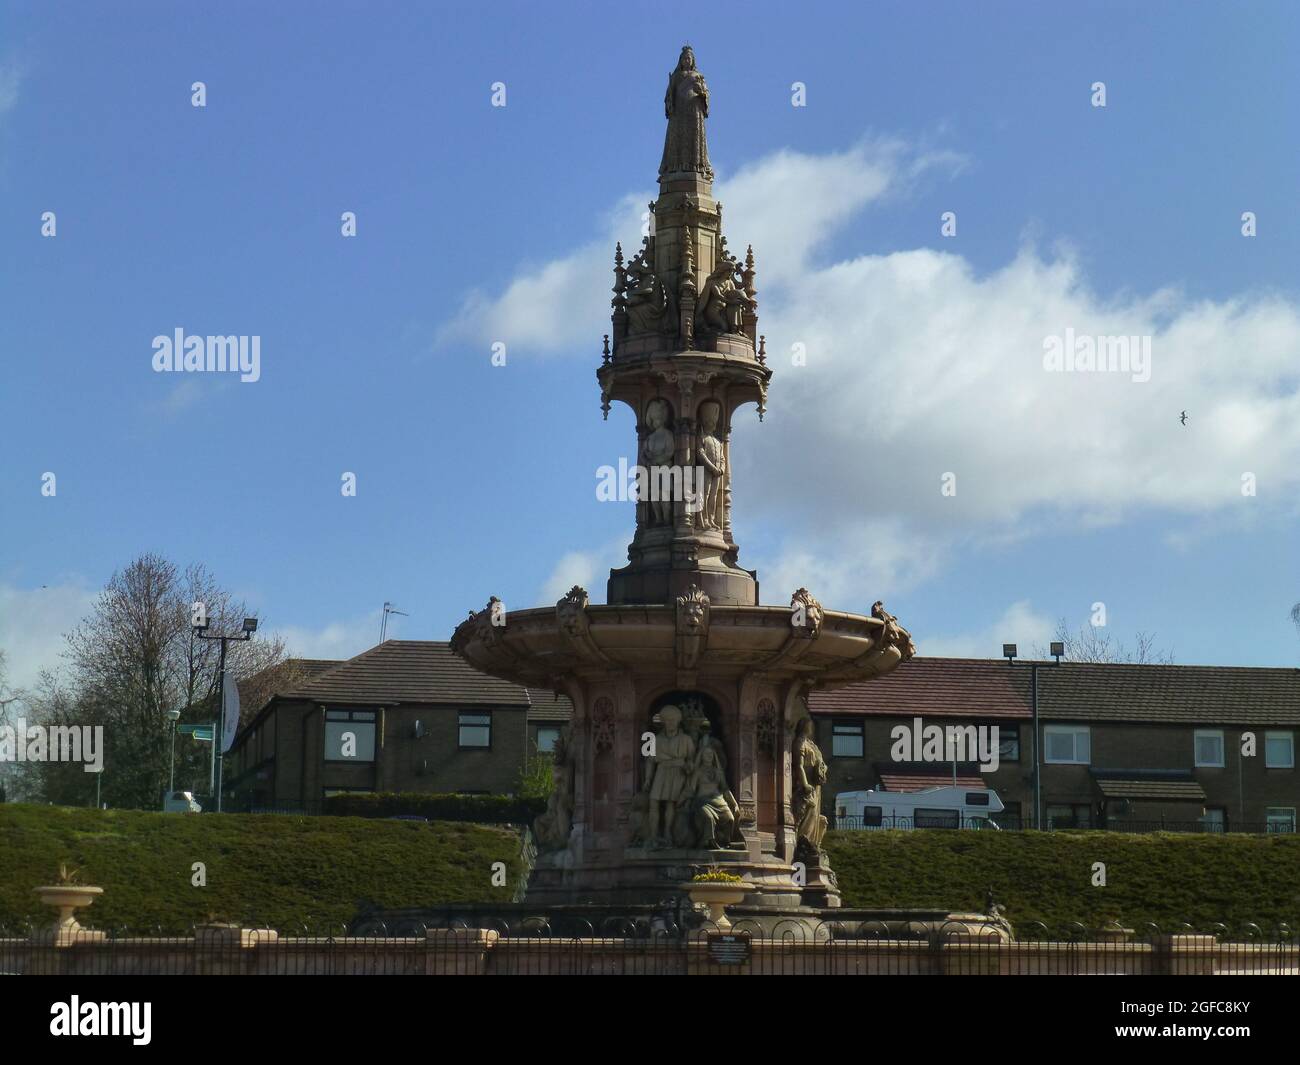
229	711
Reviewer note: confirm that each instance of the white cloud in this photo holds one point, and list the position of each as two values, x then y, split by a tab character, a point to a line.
1019	624
786	205
587	569
33	622
11	76
847	569
337	639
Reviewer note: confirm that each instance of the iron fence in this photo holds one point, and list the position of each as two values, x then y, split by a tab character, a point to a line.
1009	823
619	946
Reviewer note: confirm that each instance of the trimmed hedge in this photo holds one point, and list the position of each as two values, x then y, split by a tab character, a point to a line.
480	809
1162	877
269	870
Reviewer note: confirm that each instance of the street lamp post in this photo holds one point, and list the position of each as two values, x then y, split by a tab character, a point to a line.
173	716
201	631
1009	653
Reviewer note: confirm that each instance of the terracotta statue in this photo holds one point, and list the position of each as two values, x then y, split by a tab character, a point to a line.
721	300
809	775
657	452
667	774
711	455
686	105
651	307
715	808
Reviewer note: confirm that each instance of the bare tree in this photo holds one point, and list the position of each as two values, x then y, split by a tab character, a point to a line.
1095	643
134	658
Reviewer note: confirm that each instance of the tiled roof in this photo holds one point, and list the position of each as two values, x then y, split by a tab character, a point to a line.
1147	784
409	671
1074	691
546	705
935	687
909	781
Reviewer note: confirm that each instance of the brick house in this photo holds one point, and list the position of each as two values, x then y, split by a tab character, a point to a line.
406	715
1120	746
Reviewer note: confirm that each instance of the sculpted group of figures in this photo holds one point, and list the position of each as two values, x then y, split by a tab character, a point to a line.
657	454
685	801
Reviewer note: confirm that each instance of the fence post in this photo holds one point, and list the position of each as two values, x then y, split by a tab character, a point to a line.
1185	955
227	949
458	951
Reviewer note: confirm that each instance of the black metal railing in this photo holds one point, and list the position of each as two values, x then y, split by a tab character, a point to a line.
1011	823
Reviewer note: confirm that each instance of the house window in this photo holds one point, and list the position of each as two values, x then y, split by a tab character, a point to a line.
475	731
350	735
1066	745
1072	815
1008	743
847	740
933	818
1209	747
547	738
1279	750
1215	819
1280	818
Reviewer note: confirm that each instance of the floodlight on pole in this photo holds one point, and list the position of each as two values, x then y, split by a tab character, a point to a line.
173	716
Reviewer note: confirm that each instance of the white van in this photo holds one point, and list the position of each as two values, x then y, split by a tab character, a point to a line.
181	802
946	807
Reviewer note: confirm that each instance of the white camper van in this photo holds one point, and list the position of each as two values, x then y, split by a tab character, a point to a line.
946	807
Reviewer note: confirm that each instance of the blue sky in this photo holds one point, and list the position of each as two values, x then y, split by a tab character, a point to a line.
478	223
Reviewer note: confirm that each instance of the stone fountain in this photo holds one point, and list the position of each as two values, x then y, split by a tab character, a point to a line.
690	745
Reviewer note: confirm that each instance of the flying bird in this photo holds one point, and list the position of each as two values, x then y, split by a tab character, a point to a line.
1183	417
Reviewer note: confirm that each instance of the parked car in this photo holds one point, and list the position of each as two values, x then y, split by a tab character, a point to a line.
181	802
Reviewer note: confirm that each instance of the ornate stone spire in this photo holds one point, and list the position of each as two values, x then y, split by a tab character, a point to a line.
683	336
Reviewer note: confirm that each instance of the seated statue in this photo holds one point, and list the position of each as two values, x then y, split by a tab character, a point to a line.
722	301
715	810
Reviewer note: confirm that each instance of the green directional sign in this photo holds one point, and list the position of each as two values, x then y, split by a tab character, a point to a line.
199	732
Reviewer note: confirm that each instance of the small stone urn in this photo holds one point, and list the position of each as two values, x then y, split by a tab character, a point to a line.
717	895
67	897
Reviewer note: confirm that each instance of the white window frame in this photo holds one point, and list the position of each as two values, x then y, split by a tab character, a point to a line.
1283	815
1280	735
1071	730
1216	733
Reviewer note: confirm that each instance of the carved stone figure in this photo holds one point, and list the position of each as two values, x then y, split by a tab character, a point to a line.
667	773
711	455
552	827
686	105
810	774
657	452
650	304
722	301
715	809
893	634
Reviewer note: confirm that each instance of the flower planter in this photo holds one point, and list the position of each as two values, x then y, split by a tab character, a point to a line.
717	895
67	899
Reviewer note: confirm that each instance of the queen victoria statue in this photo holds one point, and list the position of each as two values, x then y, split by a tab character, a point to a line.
686	104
